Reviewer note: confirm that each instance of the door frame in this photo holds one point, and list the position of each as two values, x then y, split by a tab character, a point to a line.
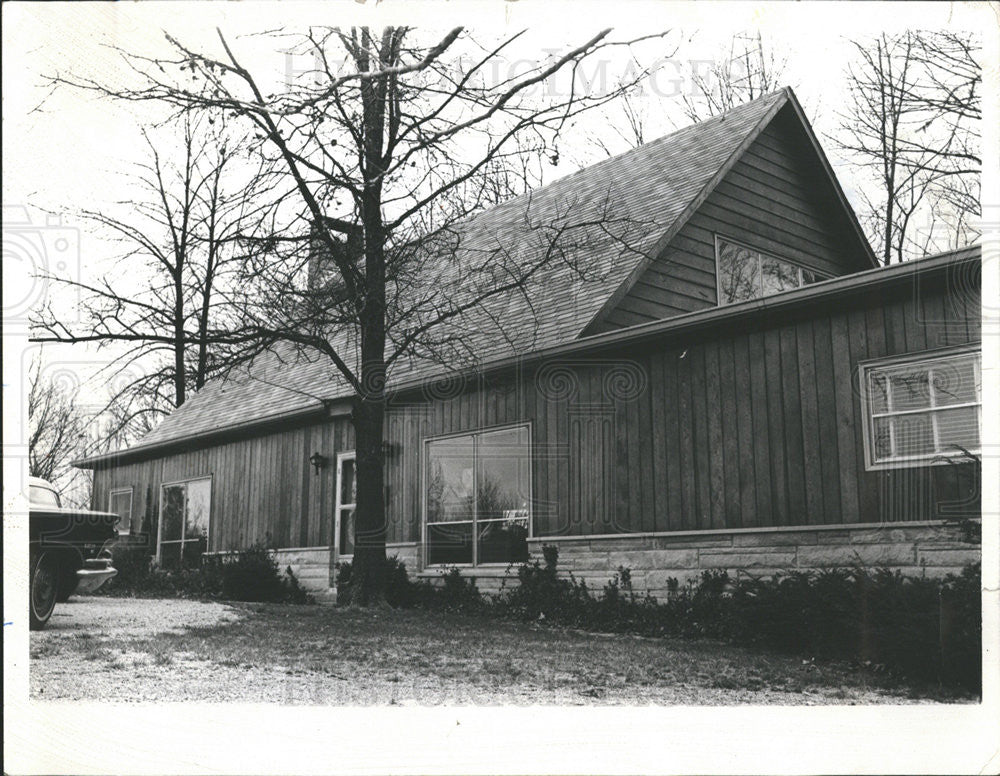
338	506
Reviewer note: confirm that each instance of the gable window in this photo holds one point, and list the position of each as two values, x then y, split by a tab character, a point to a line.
347	498
185	513
477	497
745	273
922	409
120	502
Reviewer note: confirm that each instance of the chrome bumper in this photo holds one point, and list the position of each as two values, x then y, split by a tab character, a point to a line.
94	574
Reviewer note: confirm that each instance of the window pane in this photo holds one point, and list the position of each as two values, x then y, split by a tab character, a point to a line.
347	532
44	497
504	541
913	435
883	438
955	382
958	429
121	504
777	276
172	518
199	497
191	553
738	273
503	476
170	555
449	543
450	480
878	385
348	483
910	389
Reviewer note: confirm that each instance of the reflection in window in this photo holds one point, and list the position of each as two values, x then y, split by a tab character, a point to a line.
185	512
120	502
927	409
478	493
745	273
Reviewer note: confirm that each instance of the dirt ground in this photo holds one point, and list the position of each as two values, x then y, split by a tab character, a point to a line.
125	650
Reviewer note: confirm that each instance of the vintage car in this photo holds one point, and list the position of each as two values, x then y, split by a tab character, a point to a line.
69	550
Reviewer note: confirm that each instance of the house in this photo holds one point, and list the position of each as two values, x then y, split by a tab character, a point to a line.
752	393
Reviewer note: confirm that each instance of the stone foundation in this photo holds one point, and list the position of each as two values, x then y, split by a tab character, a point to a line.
311	567
930	548
913	548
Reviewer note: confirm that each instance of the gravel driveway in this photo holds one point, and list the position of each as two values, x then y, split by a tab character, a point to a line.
134	650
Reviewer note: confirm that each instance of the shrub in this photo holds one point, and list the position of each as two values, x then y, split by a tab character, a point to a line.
254	576
250	575
455	594
399	590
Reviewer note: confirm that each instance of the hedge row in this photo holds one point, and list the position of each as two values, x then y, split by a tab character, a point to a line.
249	575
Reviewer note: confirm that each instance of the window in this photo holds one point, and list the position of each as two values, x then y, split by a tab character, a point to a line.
347	498
43	496
922	409
745	273
120	502
185	510
478	495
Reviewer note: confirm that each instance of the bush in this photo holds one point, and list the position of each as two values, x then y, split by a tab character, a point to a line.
250	575
254	576
399	590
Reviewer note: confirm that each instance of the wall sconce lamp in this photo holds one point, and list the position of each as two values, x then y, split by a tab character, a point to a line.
318	461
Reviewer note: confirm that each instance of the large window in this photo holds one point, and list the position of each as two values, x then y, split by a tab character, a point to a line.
185	511
120	502
922	409
478	496
745	273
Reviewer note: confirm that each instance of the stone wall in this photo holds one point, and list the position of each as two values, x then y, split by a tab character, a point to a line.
311	566
912	548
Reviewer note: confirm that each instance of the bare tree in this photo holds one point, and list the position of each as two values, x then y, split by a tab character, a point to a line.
748	71
376	157
56	427
912	118
157	305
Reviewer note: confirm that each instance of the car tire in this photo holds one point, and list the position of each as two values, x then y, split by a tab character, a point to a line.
67	586
43	590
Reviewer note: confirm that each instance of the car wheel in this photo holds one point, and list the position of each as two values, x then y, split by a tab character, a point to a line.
67	586
44	588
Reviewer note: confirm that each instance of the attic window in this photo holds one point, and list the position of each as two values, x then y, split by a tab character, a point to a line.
745	273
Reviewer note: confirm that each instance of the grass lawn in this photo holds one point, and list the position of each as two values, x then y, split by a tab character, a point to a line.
143	650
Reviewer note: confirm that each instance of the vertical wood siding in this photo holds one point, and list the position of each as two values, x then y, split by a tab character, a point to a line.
753	425
776	199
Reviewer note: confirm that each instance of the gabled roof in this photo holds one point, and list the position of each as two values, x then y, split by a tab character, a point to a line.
659	184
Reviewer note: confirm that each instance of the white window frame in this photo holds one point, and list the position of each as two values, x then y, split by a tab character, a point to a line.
117	492
760	258
425	457
339	507
159	520
930	358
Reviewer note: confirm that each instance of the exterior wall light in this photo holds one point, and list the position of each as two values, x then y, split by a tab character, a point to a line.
318	461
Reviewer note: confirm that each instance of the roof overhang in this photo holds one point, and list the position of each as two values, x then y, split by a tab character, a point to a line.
322	410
